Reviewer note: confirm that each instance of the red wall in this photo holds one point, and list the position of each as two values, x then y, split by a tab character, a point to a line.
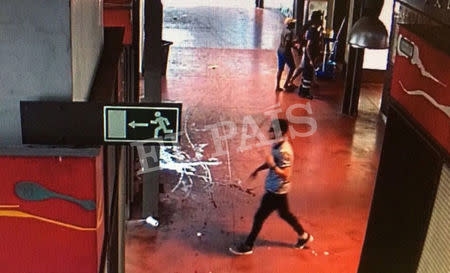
437	63
29	244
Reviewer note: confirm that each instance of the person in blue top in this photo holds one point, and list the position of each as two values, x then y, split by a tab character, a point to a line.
277	186
284	52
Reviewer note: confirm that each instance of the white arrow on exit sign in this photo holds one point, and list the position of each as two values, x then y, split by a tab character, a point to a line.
134	124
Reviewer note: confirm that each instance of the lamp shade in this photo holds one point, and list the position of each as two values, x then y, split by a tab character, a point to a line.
369	32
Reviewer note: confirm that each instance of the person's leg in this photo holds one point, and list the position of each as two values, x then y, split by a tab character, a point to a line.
307	76
290	62
299	70
156	134
266	208
288	78
285	214
278	88
314	83
297	73
281	63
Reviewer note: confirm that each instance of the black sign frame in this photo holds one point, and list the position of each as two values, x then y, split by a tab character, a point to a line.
74	123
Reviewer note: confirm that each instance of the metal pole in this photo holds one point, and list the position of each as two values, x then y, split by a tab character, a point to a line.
298	8
152	50
354	66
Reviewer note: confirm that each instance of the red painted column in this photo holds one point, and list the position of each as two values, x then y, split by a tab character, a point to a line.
118	13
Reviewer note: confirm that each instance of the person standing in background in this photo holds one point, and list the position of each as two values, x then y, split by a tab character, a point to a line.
313	37
284	52
301	44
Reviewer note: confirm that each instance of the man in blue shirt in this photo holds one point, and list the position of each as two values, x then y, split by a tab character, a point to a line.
277	186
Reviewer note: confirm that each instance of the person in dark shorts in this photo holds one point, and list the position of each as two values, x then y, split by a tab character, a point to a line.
313	38
277	186
284	52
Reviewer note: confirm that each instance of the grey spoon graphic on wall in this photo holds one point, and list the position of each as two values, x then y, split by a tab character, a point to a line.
32	191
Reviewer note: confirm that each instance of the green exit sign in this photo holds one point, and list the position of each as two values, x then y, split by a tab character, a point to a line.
144	124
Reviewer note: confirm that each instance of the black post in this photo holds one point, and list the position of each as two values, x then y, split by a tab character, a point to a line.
113	248
340	13
136	50
152	85
121	207
353	81
152	50
113	263
354	68
299	11
259	3
136	77
389	69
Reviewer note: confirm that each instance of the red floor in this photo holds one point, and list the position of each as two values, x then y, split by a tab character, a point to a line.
333	176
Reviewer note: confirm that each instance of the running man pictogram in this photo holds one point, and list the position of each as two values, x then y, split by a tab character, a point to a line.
162	122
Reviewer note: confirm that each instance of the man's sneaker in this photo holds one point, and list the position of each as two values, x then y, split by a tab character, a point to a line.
308	96
301	243
305	94
241	249
290	88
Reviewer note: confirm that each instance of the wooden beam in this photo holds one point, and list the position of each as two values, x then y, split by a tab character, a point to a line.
104	84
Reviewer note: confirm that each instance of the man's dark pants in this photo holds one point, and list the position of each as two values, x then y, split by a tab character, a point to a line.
307	77
269	203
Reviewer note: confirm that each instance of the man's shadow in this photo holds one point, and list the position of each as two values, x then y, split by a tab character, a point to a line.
218	241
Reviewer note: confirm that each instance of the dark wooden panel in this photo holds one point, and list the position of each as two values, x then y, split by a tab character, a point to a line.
135	51
46	151
104	84
438	10
61	123
403	198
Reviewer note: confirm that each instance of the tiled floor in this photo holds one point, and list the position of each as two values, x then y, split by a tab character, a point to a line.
231	80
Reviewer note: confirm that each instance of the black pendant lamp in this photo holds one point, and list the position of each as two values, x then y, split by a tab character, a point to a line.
369	32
